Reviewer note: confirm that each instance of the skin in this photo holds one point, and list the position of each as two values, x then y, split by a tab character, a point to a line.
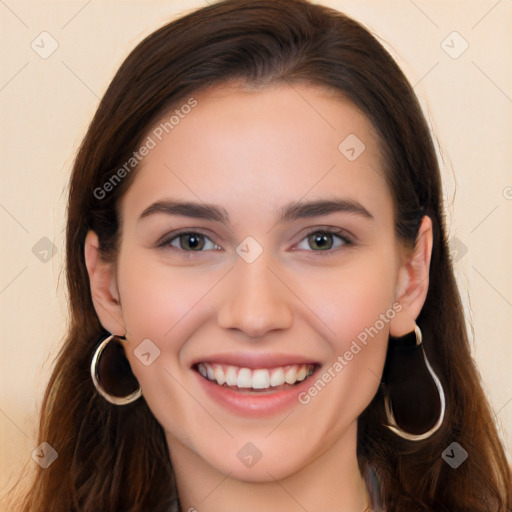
237	146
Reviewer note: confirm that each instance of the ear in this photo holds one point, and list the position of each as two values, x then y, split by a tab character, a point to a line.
413	281
103	282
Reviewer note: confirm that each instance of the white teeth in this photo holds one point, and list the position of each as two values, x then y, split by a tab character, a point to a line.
277	377
290	376
230	375
244	378
202	369
260	378
302	373
219	375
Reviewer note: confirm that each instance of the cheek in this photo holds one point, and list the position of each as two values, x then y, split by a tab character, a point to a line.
160	304
156	297
356	303
354	297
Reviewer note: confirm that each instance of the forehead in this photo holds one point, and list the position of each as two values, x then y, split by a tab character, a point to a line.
252	150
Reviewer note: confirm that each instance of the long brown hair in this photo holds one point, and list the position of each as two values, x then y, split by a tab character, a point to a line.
114	458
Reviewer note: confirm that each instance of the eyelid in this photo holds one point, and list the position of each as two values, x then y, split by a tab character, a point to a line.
166	240
347	238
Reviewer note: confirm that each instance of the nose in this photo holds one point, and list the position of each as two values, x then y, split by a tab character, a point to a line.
256	301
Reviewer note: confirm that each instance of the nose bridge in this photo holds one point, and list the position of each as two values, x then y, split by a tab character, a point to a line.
256	301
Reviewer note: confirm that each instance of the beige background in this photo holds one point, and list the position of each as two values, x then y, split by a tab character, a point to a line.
46	105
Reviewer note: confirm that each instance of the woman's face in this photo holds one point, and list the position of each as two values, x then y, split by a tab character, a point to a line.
271	255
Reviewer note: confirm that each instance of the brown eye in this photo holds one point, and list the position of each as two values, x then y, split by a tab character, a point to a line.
191	241
320	240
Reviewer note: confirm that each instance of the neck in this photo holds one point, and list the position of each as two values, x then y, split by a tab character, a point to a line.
331	481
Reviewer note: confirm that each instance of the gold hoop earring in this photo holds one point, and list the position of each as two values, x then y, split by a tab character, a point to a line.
117	360
406	357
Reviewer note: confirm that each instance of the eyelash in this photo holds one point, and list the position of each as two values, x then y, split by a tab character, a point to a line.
347	241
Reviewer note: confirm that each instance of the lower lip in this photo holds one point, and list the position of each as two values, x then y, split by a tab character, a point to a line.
253	404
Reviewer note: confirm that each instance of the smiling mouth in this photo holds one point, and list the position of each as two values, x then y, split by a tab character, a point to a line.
257	380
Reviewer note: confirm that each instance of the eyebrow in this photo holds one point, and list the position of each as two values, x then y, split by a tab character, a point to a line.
289	212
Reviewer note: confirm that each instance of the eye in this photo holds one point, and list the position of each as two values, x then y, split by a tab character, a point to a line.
324	240
189	241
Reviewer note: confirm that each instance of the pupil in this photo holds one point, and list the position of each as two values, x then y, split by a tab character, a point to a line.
193	241
322	240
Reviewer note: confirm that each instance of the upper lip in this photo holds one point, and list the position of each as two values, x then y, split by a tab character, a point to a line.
254	361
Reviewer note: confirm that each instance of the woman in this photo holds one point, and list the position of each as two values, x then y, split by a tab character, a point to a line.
263	309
